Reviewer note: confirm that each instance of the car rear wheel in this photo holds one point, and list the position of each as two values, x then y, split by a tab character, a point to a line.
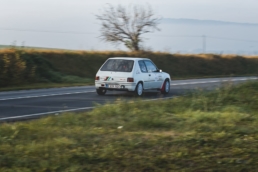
101	91
139	89
166	87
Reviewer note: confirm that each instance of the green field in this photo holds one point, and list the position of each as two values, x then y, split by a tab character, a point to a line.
202	131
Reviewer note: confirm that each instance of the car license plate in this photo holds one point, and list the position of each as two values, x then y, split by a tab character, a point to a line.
113	86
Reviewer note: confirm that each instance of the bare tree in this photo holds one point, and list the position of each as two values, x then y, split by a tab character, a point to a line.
127	24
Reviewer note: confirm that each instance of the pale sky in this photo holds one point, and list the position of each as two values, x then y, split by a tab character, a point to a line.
54	10
78	16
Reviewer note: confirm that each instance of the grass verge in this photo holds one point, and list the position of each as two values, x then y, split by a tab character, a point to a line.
43	85
84	82
204	131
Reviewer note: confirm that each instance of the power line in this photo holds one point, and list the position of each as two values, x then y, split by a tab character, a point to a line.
91	33
212	37
48	31
179	36
233	39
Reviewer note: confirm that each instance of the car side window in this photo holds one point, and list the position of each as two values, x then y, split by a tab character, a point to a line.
142	66
150	66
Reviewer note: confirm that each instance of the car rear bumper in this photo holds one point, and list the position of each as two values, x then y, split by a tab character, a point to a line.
118	86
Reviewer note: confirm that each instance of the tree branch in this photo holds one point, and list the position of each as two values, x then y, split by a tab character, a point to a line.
126	25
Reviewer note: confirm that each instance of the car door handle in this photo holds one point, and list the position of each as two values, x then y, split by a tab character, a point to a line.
149	74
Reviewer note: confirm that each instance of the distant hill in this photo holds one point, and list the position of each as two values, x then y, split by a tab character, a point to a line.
203	22
4	46
29	47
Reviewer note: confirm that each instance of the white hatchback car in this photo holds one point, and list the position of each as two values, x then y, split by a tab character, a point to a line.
131	74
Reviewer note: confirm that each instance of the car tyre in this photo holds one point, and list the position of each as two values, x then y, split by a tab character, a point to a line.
139	89
166	87
101	91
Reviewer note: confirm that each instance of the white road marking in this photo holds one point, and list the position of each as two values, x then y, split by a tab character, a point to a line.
68	110
86	108
184	83
46	113
47	95
206	82
161	98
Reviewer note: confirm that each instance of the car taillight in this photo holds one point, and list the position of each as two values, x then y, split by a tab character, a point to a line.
97	78
130	80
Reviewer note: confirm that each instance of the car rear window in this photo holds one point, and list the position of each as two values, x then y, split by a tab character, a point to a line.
118	65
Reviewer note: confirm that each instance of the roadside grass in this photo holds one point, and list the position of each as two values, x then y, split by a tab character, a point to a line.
73	81
202	131
45	85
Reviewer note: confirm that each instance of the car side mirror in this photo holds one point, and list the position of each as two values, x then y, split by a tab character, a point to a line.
160	70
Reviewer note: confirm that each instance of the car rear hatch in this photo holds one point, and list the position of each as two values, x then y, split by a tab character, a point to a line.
113	78
118	65
116	71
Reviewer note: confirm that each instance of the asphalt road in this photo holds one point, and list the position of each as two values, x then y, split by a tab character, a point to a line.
19	105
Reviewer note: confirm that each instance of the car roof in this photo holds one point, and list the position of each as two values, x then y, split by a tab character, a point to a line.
130	58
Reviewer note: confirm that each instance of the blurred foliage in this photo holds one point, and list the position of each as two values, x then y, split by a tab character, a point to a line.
19	68
202	131
13	70
27	66
87	63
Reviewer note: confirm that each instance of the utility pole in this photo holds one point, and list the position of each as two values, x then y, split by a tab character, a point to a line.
204	43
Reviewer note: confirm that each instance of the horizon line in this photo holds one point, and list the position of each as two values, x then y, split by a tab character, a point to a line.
209	20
